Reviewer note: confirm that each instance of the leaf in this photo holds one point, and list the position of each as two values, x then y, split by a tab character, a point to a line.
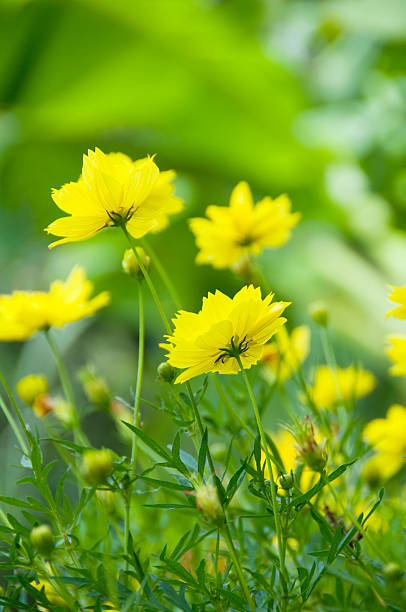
149	442
166	484
337	537
202	454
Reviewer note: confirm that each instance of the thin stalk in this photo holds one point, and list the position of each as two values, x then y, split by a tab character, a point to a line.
226	530
66	384
140	369
236	563
227	402
162	273
14	404
269	465
148	280
14	426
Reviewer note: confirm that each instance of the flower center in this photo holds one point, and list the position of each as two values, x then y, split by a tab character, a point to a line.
234	349
121	216
245	241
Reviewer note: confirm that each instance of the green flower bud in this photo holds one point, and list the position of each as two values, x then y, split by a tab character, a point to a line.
166	373
319	313
64	412
218	451
43	540
130	263
208	502
97	465
32	386
286	481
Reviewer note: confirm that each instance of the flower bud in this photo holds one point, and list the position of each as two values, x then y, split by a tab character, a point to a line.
43	405
32	386
319	313
95	388
286	481
309	451
43	540
393	572
244	269
97	465
218	451
208	502
166	373
64	412
130	263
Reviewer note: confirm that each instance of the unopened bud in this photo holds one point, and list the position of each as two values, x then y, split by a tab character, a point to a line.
97	465
64	412
32	386
310	452
218	451
166	373
43	540
319	313
393	571
97	392
243	268
286	481
43	405
207	500
130	262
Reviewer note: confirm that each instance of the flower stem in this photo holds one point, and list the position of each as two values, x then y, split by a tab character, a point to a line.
140	370
66	384
148	280
236	563
269	466
162	273
227	402
16	408
13	426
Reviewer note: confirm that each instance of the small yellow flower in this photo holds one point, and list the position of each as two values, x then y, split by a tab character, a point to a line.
388	437
24	312
51	594
242	228
344	384
397	354
225	328
32	386
283	356
114	190
398	296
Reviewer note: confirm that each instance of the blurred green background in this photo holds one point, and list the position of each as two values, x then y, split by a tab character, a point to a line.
305	97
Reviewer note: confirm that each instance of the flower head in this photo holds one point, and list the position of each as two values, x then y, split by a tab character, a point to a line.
24	312
283	356
114	190
342	384
230	232
397	353
388	438
224	331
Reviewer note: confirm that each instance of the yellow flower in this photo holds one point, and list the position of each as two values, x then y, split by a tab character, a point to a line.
225	328
344	384
114	190
24	312
50	593
286	353
397	354
388	437
398	296
242	228
32	386
286	445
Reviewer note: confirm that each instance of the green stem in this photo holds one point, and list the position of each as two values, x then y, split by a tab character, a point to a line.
14	426
14	404
162	273
148	280
269	465
140	369
236	563
230	407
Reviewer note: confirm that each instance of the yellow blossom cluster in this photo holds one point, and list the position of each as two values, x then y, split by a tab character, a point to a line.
387	436
282	357
332	386
397	349
22	313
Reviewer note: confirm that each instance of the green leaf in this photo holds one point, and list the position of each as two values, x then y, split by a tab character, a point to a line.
165	483
202	454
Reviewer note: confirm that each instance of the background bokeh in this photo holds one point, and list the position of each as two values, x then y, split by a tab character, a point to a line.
307	98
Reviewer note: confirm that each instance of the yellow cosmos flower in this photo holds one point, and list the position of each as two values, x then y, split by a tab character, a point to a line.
242	228
398	296
397	353
388	437
346	384
24	312
225	328
286	353
114	190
